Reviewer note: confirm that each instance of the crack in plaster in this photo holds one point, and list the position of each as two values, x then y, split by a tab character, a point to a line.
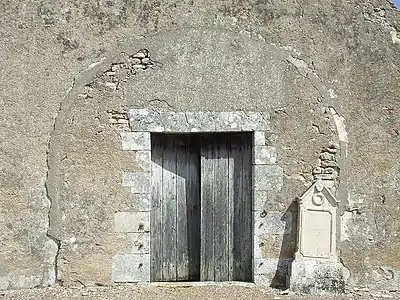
161	101
93	71
53	261
304	70
306	35
340	125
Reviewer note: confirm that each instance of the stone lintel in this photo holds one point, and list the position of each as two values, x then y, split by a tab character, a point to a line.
145	120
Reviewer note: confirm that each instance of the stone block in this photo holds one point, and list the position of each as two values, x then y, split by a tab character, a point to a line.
24	282
327	156
135	140
140	242
229	121
263	280
259	138
265	266
175	122
329	163
4	283
132	221
201	121
143	159
139	182
144	201
325	176
274	246
264	155
268	178
40	242
255	121
268	201
272	272
318	276
271	266
272	222
260	199
145	120
131	268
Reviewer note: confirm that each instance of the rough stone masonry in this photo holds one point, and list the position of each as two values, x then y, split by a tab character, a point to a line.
326	73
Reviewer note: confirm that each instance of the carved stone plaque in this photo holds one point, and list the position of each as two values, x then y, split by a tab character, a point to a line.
317	224
316	267
317	238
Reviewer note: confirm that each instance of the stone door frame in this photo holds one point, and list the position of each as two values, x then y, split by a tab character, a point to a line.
267	175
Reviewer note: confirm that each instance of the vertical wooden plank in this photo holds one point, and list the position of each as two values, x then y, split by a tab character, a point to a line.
193	207
169	210
247	209
237	194
243	220
207	210
221	210
182	198
231	214
156	211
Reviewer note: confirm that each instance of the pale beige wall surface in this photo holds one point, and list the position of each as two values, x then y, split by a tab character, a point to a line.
61	159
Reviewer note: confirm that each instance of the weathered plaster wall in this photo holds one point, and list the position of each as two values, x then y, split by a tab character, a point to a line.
325	71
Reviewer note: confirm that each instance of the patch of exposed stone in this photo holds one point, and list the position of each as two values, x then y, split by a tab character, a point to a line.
327	169
120	72
118	119
113	79
378	16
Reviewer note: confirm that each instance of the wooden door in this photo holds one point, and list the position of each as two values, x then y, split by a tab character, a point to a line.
175	215
226	207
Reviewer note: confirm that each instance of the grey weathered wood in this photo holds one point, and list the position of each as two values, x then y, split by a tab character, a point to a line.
182	246
207	211
243	223
247	212
169	210
226	248
243	228
231	177
175	219
222	223
202	227
156	212
236	153
193	207
226	208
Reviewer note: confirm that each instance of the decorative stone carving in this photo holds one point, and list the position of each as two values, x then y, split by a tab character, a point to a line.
317	223
316	267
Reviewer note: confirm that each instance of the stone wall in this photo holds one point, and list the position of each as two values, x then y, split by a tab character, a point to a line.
326	74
